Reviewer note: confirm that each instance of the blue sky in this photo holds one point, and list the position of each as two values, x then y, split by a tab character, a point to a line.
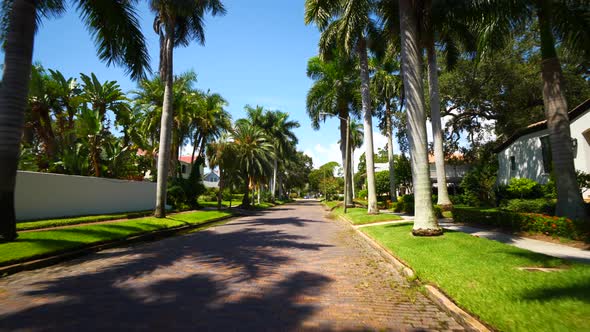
256	54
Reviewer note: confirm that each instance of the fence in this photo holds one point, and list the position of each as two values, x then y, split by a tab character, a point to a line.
45	195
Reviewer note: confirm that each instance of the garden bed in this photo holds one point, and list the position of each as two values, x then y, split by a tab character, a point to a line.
484	277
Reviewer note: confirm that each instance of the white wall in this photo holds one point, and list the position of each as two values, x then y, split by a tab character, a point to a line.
578	127
45	195
528	157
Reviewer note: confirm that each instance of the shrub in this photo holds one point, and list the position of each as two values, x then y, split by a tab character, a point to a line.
527	222
362	194
293	195
524	188
406	204
538	205
478	185
438	211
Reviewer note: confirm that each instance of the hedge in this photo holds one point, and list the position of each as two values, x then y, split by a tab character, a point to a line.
525	222
405	204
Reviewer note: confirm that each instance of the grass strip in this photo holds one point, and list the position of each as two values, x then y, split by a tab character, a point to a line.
35	244
359	216
48	223
482	276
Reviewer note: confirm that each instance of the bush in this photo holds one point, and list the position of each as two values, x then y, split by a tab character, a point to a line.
405	204
438	211
524	188
478	185
362	194
539	205
527	222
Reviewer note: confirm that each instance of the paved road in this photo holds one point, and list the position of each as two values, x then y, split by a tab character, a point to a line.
284	269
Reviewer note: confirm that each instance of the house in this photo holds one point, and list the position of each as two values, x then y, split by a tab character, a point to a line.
184	161
527	153
211	180
455	171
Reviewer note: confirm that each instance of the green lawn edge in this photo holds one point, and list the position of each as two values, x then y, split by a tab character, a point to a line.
33	245
359	216
481	276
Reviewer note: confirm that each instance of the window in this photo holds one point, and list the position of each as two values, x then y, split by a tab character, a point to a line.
546	151
512	163
183	169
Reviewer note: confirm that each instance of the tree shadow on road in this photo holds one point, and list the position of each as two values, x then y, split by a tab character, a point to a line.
184	282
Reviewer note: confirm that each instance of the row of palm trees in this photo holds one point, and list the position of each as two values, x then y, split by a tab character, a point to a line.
258	150
115	28
399	34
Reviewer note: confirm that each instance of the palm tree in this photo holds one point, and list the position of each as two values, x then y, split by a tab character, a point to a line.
103	97
335	91
565	22
177	24
279	130
209	122
116	32
425	221
221	153
349	23
388	88
253	154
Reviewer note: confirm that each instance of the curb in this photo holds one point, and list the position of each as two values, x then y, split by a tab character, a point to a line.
436	295
58	257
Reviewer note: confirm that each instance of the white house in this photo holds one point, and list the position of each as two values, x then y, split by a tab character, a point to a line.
211	180
527	153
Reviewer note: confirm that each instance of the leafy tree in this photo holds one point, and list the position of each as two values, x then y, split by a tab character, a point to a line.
115	28
177	24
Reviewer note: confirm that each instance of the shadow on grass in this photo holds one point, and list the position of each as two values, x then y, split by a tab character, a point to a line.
170	285
579	291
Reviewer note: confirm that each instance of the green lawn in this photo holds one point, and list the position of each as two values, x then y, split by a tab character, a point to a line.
482	276
33	244
29	225
359	216
331	204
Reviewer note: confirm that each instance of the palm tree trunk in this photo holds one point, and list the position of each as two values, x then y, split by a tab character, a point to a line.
425	222
220	191
258	193
352	171
439	156
274	180
569	198
165	127
392	193
18	53
368	126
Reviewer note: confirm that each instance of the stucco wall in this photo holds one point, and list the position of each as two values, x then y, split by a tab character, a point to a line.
578	127
44	195
528	158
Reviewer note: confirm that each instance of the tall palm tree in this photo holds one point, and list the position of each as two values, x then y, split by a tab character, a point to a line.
177	24
425	221
209	122
221	153
253	154
335	91
117	34
558	21
387	84
349	24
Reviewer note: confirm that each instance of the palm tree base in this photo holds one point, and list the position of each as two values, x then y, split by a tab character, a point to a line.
8	222
446	207
427	232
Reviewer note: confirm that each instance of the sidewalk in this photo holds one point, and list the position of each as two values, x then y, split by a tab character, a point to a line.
542	247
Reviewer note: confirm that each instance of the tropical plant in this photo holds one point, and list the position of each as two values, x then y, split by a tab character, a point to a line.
115	28
177	24
349	24
253	154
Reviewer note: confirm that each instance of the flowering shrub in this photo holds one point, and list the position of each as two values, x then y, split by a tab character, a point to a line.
527	222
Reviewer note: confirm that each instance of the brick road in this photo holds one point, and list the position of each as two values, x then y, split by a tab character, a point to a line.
284	269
